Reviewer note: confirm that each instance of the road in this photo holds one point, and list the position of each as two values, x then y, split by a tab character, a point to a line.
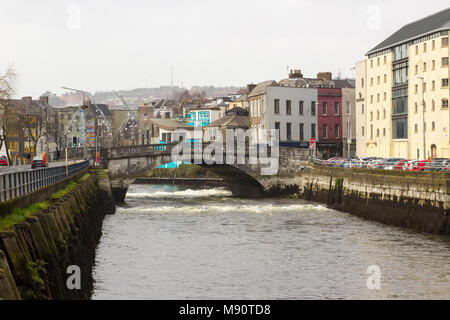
6	169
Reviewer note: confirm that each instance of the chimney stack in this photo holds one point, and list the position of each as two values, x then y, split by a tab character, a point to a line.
324	76
295	74
27	100
43	100
250	87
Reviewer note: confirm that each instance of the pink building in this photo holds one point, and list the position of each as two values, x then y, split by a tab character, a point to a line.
330	122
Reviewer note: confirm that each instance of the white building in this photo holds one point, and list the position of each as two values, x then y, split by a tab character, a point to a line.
286	108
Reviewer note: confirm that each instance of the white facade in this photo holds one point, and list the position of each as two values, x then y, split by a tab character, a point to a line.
298	124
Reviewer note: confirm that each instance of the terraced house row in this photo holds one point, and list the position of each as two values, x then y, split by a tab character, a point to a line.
402	93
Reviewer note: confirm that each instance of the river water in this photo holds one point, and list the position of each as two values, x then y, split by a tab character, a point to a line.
175	242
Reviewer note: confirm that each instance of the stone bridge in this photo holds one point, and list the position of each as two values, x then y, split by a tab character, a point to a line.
239	168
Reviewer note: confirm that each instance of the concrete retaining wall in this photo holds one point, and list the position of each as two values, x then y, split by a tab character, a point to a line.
35	254
413	200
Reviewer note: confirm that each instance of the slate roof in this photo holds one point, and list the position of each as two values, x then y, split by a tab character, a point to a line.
170	125
230	121
427	25
262	87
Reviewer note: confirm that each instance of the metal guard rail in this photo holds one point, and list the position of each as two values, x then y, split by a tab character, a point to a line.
16	184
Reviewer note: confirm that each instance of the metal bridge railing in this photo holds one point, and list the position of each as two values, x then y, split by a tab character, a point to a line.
16	184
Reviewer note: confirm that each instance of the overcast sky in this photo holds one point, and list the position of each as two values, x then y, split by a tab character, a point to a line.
105	45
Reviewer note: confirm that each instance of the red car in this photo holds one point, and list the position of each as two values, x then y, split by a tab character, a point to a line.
3	161
419	165
402	165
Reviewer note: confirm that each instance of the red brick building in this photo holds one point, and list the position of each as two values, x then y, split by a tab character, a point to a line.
330	122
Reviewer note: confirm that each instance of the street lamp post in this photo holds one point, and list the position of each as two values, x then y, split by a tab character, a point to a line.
423	117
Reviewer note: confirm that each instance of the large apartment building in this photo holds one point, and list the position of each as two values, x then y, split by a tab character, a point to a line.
405	94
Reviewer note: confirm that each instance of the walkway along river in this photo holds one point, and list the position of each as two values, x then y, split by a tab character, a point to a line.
175	242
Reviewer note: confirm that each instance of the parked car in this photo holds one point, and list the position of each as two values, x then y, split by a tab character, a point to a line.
332	162
445	166
402	165
375	164
418	165
3	161
437	164
390	163
38	162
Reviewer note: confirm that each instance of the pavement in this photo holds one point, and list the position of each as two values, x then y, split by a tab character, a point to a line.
27	167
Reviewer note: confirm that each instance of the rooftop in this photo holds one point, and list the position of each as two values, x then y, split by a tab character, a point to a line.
433	23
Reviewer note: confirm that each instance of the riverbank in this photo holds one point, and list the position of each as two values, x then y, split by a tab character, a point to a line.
417	201
37	249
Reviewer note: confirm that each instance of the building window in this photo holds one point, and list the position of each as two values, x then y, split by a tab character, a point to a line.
444	103
362	109
61	116
313	108
384	96
416	89
444	42
371	116
378	80
371	63
416	69
313	130
277	126
378	132
433	105
400	128
417	50
371	132
384	113
371	99
336	108
362	82
300	107
445	83
424	67
416	128
325	131
324	108
424	126
444	61
416	108
433	44
288	131
385	78
378	114
385	60
378	61
276	106
378	97
433	85
425	47
301	134
336	130
362	131
433	64
371	82
433	126
384	132
288	106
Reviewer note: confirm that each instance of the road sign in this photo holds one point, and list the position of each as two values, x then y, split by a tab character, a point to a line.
312	141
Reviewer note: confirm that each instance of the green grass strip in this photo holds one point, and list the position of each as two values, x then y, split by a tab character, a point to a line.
19	214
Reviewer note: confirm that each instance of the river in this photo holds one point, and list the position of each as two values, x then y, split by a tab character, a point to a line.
176	242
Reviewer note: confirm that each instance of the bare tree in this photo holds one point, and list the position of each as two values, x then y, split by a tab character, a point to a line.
7	89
